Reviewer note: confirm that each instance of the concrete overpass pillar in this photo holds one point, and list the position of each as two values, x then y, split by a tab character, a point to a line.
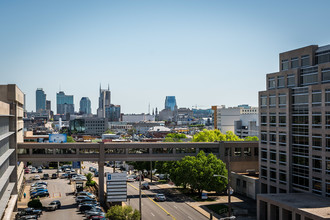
101	173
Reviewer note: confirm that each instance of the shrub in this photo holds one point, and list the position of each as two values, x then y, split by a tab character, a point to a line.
122	213
35	203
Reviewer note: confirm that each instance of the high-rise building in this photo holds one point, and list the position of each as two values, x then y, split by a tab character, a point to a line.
48	105
112	112
104	101
11	133
170	103
85	106
40	100
295	136
64	103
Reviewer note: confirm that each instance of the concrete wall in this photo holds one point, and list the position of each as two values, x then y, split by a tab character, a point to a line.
245	185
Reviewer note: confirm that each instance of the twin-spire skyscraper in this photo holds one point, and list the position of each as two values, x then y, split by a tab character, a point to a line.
104	102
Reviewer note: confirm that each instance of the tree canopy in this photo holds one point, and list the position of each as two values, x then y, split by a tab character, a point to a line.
123	213
197	173
216	135
174	137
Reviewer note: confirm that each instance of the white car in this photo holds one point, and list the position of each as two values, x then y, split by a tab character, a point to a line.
130	179
36	177
34	170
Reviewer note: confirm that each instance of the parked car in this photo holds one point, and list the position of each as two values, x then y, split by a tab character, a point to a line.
39	183
145	186
56	204
46	176
86	207
25	217
79	198
64	176
160	197
38	188
34	170
92	211
54	176
36	177
40	194
96	173
29	211
39	170
100	215
88	201
90	195
26	170
38	191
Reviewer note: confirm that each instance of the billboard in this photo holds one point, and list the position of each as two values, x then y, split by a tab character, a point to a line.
57	138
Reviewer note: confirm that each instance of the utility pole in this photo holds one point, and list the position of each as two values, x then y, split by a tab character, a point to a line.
151	171
229	188
140	198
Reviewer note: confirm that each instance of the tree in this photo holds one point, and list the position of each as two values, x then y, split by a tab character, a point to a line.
123	213
197	173
35	203
90	181
216	135
108	132
141	165
174	137
69	139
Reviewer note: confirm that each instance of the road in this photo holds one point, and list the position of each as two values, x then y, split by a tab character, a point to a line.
173	208
59	189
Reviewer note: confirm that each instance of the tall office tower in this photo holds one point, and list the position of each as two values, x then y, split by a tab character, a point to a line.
64	103
85	106
112	112
294	127
170	103
40	100
104	101
11	133
48	105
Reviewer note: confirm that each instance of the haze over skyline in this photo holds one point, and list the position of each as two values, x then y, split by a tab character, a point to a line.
203	52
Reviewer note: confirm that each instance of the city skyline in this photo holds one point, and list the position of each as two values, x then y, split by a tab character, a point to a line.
146	50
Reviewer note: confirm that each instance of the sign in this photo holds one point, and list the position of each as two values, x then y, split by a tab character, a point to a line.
76	165
116	187
57	138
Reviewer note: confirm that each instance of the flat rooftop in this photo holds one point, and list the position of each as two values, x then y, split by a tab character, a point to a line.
312	204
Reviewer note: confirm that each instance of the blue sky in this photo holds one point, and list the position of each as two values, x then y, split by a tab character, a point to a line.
208	52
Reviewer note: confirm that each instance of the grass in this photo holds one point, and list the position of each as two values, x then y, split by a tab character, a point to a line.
218	208
195	196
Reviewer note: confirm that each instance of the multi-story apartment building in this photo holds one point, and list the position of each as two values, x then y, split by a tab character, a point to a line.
242	120
295	128
11	132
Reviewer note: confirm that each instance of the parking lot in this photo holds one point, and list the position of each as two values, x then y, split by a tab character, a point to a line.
59	189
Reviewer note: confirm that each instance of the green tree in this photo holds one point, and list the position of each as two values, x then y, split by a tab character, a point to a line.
69	139
141	165
123	213
108	132
90	181
174	137
249	138
35	203
197	173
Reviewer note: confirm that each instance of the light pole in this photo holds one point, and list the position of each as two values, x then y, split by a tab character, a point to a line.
228	186
140	196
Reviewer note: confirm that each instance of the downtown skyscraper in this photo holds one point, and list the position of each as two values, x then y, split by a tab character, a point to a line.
104	102
64	103
40	100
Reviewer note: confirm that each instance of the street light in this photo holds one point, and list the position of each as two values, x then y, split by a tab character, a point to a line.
229	189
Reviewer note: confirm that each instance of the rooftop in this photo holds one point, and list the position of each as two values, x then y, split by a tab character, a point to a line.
309	203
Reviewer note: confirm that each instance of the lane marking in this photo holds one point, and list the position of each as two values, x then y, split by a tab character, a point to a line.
190	217
153	201
175	207
152	214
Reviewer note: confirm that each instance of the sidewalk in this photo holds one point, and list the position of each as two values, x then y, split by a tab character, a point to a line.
23	203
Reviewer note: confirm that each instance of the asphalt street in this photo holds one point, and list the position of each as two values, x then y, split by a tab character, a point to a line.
173	208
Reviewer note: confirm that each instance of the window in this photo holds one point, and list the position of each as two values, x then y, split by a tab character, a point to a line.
294	62
327	165
264	154
282	119
238	152
282	100
282	158
263	119
327	188
263	137
325	75
264	172
317	163
305	60
272	174
317	142
285	64
247	151
272	101
282	176
282	139
323	57
244	184
272	156
272	120
238	182
272	138
271	83
327	97
327	120
309	75
280	81
316	120
263	100
317	185
316	98
291	80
